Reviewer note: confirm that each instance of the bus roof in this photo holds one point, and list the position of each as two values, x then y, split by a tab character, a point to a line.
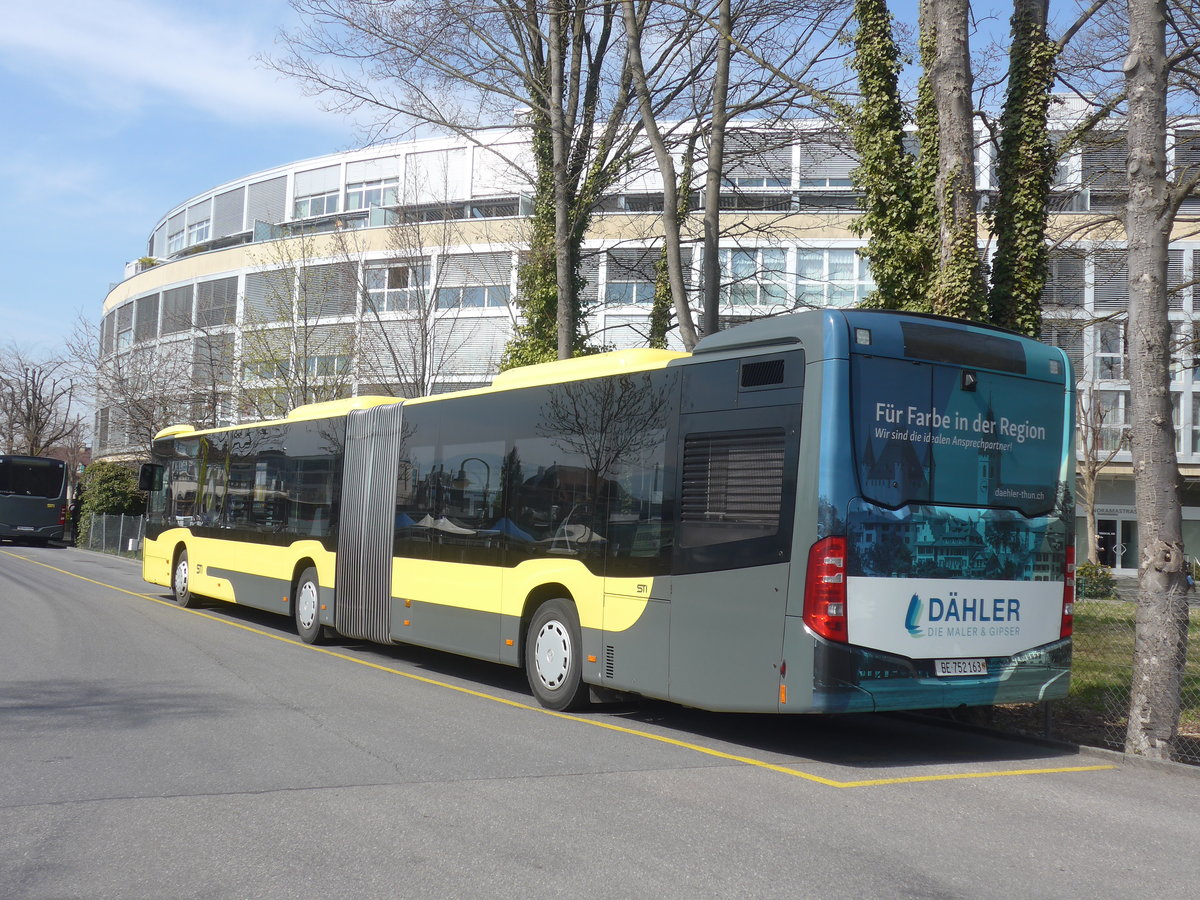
614	363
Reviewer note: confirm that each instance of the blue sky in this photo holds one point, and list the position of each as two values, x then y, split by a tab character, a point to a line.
113	113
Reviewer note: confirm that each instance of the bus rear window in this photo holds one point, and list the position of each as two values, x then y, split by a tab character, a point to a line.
955	436
937	343
32	477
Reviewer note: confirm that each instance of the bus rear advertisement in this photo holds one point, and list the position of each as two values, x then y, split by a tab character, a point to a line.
831	511
33	498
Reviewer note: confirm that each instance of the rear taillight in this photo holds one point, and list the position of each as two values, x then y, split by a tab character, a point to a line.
1068	609
62	515
825	589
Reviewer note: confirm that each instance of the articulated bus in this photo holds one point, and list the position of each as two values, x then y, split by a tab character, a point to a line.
829	511
33	498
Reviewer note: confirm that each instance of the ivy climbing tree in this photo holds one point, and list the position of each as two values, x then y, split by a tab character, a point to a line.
895	218
1025	165
919	208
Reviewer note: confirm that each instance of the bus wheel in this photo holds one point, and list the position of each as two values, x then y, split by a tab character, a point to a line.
552	656
180	585
306	607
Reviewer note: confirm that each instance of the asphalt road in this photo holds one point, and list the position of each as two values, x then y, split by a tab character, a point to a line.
149	751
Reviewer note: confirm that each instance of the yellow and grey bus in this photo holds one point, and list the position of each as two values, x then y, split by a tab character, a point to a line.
830	511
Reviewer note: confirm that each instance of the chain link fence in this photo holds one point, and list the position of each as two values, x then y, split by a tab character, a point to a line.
120	535
1096	712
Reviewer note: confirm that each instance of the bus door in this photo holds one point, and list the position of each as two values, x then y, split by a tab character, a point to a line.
738	452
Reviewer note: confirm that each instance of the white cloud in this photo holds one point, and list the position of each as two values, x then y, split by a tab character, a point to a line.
122	55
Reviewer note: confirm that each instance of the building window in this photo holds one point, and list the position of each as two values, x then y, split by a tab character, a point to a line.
197	232
756	181
473	297
756	277
1195	423
397	287
1110	351
1181	348
216	302
1114	419
493	209
125	326
1064	280
1177	420
828	181
267	369
365	194
175	242
832	278
322	204
630	275
327	365
624	292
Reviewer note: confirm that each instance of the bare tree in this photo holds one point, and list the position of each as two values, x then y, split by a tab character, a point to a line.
1099	440
298	330
136	390
414	334
464	68
634	29
37	403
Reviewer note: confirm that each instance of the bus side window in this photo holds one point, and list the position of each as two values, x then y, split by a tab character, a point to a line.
637	530
182	497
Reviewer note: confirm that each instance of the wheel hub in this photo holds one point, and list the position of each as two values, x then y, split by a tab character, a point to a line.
306	604
552	654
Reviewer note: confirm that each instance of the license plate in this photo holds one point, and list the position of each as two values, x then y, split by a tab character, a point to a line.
953	667
26	528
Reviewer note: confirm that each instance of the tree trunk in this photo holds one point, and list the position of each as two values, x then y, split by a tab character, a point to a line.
959	290
563	271
1160	647
716	170
1024	171
666	166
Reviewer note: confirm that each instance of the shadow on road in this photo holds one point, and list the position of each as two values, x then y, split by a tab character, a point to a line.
60	703
874	741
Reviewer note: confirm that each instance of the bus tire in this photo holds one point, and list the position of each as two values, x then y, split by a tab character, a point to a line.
306	607
553	656
181	590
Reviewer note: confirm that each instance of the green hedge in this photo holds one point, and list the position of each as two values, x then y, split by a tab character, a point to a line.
107	488
1094	581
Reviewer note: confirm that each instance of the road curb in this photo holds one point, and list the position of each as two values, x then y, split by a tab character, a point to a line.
1116	757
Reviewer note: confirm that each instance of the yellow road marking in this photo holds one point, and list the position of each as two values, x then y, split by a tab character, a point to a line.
686	745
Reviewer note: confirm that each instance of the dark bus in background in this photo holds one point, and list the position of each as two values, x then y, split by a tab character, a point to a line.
33	498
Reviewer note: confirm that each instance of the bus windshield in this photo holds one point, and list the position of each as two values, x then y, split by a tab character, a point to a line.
949	435
31	477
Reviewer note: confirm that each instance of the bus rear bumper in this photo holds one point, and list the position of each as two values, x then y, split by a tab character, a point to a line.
855	679
44	533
